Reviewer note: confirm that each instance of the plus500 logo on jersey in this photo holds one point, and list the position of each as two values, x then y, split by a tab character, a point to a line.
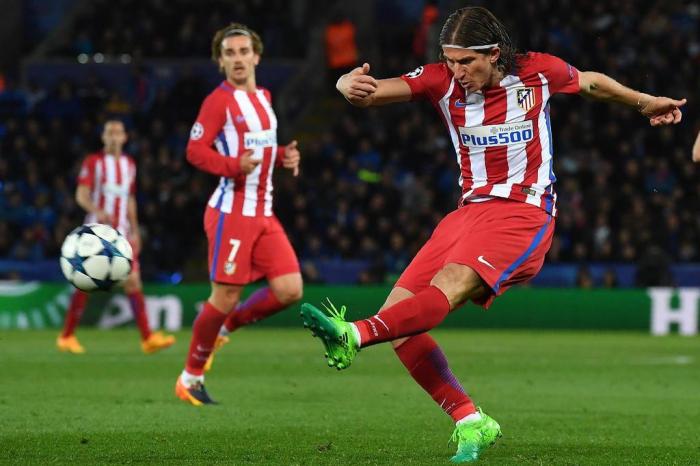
496	135
257	139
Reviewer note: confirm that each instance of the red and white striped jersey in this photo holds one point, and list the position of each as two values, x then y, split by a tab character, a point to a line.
234	121
502	135
111	181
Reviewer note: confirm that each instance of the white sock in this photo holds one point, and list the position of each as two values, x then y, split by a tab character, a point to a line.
189	379
224	331
472	417
356	332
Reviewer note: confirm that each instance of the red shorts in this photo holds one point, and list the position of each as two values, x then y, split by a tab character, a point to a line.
244	249
503	241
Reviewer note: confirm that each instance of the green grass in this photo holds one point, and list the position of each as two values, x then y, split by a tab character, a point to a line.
567	398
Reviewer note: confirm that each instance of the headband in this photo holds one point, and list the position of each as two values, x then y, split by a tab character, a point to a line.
236	31
473	47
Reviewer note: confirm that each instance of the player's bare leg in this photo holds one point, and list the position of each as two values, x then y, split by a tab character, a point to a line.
459	283
190	385
283	291
150	341
287	288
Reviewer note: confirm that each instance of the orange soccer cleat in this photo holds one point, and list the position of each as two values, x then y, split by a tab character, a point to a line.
69	344
156	342
195	394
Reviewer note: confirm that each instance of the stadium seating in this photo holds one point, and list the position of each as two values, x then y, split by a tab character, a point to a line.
375	182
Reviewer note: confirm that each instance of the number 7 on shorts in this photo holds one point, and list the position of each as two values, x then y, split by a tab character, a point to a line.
235	245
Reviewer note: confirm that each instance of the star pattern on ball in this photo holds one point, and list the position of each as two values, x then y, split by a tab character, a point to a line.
108	249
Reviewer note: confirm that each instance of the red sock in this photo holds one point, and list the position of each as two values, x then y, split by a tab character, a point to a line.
204	331
138	308
261	304
411	316
74	312
428	366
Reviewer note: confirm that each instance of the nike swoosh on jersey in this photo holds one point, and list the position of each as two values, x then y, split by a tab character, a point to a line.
484	261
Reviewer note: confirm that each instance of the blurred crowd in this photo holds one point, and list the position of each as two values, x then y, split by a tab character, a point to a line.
375	182
183	28
41	158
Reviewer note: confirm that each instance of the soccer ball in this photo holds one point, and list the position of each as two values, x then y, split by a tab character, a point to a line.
95	257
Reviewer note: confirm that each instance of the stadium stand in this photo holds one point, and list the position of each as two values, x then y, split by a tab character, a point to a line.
375	182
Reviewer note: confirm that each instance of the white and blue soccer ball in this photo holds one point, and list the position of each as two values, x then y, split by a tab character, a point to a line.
96	257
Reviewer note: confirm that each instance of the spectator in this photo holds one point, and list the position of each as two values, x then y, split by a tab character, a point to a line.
621	186
341	49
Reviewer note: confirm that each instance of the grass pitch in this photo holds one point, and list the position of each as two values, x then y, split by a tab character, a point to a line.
567	398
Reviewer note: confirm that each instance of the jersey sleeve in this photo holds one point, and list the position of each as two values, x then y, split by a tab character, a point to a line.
200	153
86	176
562	77
428	81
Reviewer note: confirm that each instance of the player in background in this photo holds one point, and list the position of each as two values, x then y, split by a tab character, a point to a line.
235	137
495	105
696	149
106	187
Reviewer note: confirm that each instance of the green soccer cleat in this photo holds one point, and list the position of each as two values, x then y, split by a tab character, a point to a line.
473	437
336	334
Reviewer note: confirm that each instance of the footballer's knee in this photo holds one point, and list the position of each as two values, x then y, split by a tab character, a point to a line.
459	283
225	297
133	284
288	289
131	289
290	295
398	342
396	295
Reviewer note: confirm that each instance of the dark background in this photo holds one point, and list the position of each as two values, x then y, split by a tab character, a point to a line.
374	182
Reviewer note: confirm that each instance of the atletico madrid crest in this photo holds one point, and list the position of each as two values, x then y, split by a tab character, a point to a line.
229	268
525	97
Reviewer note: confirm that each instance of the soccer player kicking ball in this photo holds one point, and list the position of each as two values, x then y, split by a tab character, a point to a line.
106	187
246	241
495	104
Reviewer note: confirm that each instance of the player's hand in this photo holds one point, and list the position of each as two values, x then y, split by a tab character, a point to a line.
248	163
292	157
103	217
662	111
358	87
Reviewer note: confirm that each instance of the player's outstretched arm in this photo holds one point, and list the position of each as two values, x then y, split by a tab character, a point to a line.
362	90
659	110
696	149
